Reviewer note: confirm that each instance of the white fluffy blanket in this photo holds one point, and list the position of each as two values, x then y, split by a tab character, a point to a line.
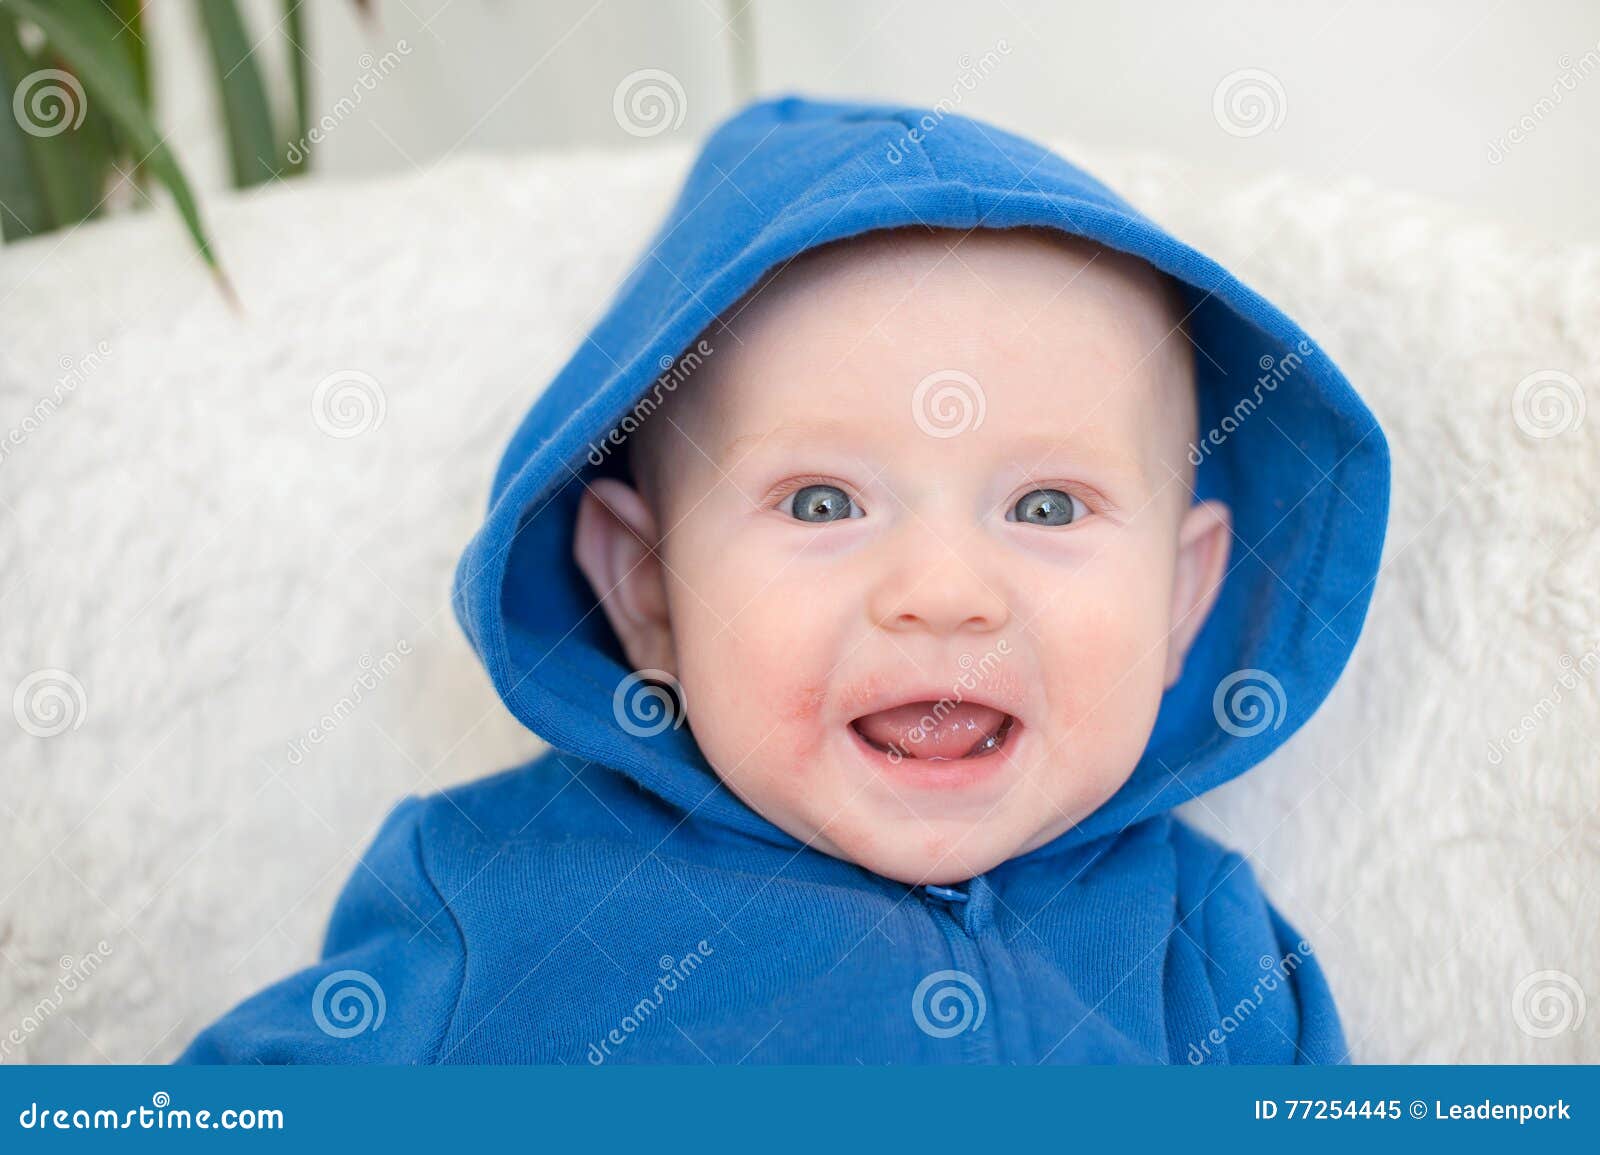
227	642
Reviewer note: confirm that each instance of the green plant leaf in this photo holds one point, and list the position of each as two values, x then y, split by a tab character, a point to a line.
23	208
129	15
295	32
82	34
67	144
254	149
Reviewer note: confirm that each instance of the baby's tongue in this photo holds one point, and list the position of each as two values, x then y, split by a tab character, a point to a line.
930	729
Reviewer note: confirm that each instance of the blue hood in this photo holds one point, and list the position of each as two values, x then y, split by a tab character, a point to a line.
1307	481
645	914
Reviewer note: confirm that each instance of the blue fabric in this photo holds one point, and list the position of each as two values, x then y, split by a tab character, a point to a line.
613	902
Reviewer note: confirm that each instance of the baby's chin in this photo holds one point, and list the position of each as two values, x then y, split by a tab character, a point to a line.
943	838
922	821
943	856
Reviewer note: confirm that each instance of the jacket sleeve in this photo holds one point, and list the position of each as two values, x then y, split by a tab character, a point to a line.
387	985
1273	1003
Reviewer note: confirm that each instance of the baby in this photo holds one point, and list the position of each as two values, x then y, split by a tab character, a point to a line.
918	542
918	527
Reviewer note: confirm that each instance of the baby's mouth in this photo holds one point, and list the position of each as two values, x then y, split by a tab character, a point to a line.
936	731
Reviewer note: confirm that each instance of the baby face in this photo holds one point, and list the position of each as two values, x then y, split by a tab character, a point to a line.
918	542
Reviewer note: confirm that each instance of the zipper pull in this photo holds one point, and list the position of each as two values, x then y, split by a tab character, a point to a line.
947	894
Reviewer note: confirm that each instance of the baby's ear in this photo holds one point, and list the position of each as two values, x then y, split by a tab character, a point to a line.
612	545
1204	538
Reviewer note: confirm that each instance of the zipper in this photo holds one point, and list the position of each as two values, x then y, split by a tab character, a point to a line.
967	995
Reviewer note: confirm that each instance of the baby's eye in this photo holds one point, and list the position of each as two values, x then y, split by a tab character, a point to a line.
1047	507
819	503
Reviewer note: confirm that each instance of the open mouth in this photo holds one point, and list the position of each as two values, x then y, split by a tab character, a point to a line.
936	731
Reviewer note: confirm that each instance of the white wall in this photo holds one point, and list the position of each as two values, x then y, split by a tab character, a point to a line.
1410	95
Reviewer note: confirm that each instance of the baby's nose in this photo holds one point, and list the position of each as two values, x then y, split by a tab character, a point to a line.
939	592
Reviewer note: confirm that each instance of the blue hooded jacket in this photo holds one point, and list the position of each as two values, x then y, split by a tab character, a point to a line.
613	902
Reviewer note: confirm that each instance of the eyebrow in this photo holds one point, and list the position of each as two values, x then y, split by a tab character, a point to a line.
789	433
1029	450
1048	449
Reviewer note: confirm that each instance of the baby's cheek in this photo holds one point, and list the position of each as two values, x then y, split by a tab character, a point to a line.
788	678
804	707
1106	669
776	680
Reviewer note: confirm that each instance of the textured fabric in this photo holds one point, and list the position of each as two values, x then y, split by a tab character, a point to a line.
613	902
